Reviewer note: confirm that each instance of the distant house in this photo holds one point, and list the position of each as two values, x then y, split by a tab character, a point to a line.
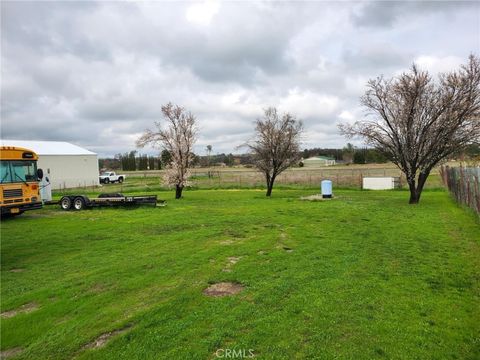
66	165
318	161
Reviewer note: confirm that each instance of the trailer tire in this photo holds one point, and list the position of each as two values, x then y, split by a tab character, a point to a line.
79	203
120	180
66	203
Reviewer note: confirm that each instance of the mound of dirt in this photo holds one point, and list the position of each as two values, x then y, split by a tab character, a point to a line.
223	289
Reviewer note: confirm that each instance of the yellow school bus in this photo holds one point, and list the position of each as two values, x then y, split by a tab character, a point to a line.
19	181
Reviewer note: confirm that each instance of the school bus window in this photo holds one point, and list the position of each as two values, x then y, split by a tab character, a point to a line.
5	173
15	171
24	170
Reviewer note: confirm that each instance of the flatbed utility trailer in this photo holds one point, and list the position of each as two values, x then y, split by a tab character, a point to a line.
81	202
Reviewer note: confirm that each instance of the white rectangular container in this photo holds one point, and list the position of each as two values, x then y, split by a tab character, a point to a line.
380	183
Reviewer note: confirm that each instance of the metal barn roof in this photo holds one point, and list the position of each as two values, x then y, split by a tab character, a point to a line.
48	147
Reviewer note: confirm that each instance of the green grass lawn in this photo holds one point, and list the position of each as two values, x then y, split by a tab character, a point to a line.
369	277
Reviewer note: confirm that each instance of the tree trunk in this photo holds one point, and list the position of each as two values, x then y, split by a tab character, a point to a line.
270	185
422	178
178	191
416	191
269	189
413	191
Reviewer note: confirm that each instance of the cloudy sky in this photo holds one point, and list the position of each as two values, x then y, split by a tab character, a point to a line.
96	73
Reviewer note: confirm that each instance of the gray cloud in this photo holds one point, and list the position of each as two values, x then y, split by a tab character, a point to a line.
97	73
389	13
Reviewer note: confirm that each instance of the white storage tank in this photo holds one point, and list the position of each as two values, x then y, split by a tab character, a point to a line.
326	189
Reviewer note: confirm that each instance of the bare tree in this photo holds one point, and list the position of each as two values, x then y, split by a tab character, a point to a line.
420	122
178	139
276	145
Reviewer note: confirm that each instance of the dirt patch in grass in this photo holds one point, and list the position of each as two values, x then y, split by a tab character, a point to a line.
227	242
317	197
98	288
24	309
104	338
6	354
223	289
17	270
231	261
284	247
234	233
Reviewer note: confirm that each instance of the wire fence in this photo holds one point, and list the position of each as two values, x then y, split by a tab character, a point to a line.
69	183
301	177
312	178
464	184
213	178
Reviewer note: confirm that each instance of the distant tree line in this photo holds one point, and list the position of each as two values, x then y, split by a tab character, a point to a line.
471	152
349	154
337	154
130	161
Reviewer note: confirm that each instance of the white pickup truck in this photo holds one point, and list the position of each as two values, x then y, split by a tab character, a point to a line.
111	177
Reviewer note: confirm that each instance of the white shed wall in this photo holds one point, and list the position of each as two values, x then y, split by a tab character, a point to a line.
70	171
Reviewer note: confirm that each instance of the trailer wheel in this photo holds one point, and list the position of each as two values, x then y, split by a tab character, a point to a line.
66	203
120	180
79	203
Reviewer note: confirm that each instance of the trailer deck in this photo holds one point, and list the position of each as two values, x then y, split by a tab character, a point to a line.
80	202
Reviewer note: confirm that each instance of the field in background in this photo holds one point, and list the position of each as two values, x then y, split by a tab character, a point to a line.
342	176
241	177
363	276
